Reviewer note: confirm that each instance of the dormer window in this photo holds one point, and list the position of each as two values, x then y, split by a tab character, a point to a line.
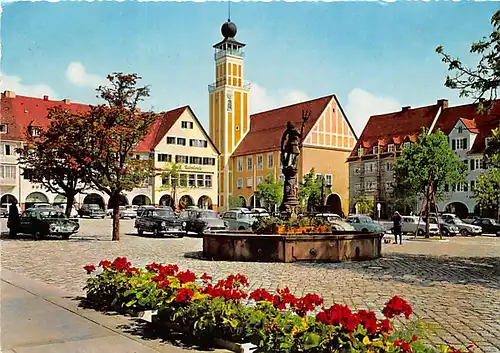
406	144
487	141
460	129
34	131
360	151
375	150
390	147
4	128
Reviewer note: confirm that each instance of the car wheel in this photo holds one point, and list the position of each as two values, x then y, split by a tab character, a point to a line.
155	232
140	232
421	232
103	217
241	228
445	233
364	230
464	232
37	235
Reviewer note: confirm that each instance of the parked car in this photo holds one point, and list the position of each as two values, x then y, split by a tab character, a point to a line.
158	221
92	211
238	220
41	222
470	219
142	208
336	221
260	212
488	225
411	224
447	230
128	212
41	205
363	223
465	229
201	221
4	210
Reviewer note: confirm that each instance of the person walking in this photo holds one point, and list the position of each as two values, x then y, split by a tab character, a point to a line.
13	220
396	220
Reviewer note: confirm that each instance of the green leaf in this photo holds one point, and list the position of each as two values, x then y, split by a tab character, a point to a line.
312	340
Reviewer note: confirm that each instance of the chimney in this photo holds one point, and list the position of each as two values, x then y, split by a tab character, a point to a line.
66	101
443	103
10	94
45	98
405	108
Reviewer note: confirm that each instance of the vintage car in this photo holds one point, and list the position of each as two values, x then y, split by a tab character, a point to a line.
128	212
336	221
159	221
142	208
238	220
412	224
489	226
465	229
92	211
363	223
45	221
200	221
447	230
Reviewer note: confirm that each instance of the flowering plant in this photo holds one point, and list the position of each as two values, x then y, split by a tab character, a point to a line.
275	322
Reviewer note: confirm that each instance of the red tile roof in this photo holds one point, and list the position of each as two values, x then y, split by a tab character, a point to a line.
266	128
21	111
480	124
395	127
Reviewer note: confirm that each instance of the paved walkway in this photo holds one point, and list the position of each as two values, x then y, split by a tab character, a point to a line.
454	286
37	318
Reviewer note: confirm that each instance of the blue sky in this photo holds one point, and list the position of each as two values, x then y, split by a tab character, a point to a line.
376	57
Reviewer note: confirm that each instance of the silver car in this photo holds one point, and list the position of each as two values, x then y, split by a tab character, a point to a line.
465	229
127	212
238	220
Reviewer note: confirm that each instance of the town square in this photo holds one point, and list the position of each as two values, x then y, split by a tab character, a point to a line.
268	177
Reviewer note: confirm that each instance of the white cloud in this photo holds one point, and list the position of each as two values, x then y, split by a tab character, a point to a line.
362	104
262	100
13	83
77	73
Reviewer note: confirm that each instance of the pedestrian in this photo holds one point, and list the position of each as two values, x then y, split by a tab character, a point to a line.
396	220
13	220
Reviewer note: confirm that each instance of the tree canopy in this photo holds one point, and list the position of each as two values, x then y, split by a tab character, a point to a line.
482	82
172	181
271	191
310	190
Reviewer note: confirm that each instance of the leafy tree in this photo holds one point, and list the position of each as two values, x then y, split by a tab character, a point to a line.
271	191
425	167
235	201
482	82
48	159
364	206
111	131
492	152
486	190
310	191
171	180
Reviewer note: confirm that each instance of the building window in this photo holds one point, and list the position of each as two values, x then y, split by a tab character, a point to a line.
459	144
239	183
390	147
249	182
181	159
192	180
200	180
472	185
163	157
198	143
187	124
6	150
249	163
487	140
478	164
370	186
239	161
4	128
360	151
389	185
270	161
406	144
260	180
8	172
170	140
208	181
357	171
34	131
375	149
318	176
328	178
357	187
388	166
208	161
460	129
260	162
465	187
195	160
183	180
181	141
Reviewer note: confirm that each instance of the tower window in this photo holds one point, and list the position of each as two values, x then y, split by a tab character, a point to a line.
249	163
187	124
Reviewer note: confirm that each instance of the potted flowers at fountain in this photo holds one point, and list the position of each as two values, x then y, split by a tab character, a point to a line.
301	225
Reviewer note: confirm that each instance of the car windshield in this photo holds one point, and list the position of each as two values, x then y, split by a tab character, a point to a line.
52	214
207	214
94	206
163	213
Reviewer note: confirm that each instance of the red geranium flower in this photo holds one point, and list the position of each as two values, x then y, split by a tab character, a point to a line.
397	306
162	284
105	264
369	321
261	295
385	326
339	315
183	295
206	278
89	268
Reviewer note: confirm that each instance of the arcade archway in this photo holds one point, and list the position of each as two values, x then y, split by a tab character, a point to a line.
94	199
458	208
205	202
334	204
141	200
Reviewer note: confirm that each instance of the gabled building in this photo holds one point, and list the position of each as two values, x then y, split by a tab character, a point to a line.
250	145
372	159
176	136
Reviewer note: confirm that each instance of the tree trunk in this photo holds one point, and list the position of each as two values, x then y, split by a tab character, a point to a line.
115	199
427	212
70	200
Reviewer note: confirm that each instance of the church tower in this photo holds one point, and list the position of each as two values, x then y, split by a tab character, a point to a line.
228	106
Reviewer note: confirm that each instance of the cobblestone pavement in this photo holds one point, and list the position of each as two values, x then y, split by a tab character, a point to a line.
454	286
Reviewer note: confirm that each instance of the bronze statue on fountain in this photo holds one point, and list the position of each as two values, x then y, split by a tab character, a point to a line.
291	143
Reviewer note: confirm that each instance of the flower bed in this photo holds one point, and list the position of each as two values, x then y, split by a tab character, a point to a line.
274	225
274	322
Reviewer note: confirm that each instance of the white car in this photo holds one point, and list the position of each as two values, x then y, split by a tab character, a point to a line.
410	224
465	229
128	212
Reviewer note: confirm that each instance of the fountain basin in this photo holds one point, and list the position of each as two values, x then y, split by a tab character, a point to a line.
338	246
